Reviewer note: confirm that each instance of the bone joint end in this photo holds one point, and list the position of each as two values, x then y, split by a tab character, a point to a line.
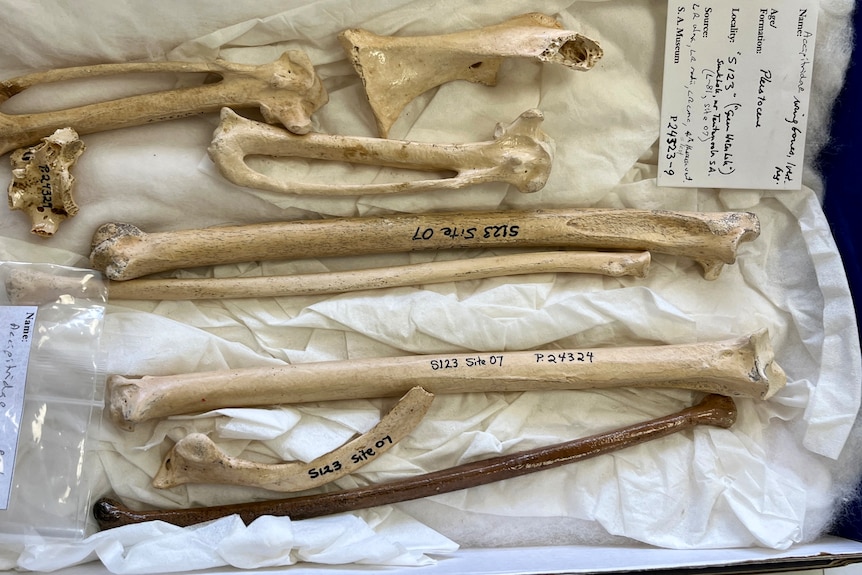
766	369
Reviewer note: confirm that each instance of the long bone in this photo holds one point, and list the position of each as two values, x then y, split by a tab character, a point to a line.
197	459
395	70
520	154
742	366
29	287
714	410
122	251
286	91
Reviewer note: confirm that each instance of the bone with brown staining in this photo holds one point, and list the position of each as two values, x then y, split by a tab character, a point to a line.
520	154
197	459
32	287
395	70
714	410
286	91
123	251
42	181
743	366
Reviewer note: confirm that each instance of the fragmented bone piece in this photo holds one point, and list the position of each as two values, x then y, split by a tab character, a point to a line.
123	251
286	91
394	70
520	154
27	287
743	366
197	459
714	410
42	180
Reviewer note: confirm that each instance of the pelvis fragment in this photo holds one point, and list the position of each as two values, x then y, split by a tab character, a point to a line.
520	154
286	91
395	70
42	181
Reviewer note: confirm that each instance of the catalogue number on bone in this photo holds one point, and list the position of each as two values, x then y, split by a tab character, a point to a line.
735	93
46	187
360	456
470	233
456	362
500	360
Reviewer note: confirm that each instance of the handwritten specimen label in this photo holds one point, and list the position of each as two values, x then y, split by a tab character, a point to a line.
736	87
467	361
360	457
18	330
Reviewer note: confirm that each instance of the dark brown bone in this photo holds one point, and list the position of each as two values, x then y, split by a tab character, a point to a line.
715	410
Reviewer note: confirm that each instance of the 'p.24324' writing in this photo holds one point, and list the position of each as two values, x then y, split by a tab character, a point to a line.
564	357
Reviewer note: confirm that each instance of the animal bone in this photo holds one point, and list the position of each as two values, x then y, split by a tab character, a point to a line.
286	91
31	287
520	154
122	251
714	410
42	181
394	70
742	366
196	459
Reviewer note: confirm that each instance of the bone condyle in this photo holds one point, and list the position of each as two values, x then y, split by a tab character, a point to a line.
520	154
286	91
42	181
395	70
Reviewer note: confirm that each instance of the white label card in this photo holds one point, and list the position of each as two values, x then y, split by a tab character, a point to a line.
737	79
17	329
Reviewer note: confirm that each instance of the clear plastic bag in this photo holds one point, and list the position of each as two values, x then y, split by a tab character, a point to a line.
49	495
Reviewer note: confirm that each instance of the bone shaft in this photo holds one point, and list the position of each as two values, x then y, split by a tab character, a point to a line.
22	129
12	86
31	287
739	367
375	151
611	264
714	410
708	238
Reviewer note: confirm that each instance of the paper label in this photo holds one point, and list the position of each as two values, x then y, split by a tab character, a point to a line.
18	328
736	87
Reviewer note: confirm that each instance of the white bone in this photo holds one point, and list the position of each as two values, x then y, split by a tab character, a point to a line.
520	154
394	70
743	366
286	91
31	287
197	459
123	251
42	181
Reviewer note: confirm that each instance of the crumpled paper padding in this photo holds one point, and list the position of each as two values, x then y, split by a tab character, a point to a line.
157	547
772	480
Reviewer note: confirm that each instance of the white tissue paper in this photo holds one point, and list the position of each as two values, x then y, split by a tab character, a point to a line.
772	480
